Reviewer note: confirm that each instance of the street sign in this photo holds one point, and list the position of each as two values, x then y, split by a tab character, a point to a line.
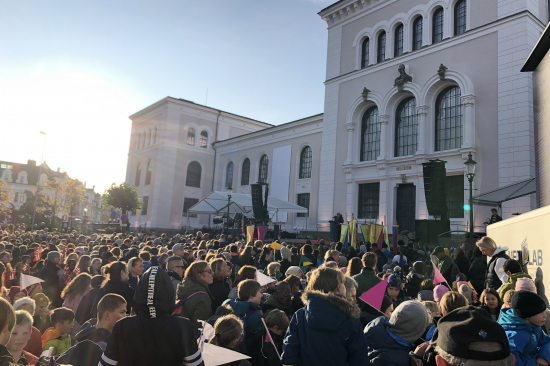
123	217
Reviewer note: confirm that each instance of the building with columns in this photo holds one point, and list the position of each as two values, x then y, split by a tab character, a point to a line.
406	82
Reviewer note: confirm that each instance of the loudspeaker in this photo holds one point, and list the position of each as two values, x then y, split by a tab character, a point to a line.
428	231
258	207
435	187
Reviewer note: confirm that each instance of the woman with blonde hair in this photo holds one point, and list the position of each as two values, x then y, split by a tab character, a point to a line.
495	275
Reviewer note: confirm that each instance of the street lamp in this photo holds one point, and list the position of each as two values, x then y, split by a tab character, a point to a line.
39	175
229	191
470	174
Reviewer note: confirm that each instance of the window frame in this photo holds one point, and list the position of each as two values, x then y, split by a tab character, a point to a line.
365	52
229	175
451	115
246	165
411	122
190	203
263	171
398	40
366	209
301	199
191	136
460	28
436	23
417	33
203	139
306	162
367	124
455	196
193	178
381	47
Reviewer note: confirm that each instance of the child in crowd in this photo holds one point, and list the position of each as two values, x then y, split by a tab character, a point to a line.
507	300
514	271
439	291
468	293
394	290
228	331
434	311
452	300
522	324
20	337
277	323
7	323
491	302
426	290
42	313
58	335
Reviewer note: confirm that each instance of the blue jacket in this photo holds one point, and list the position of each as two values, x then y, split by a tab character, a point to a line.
384	347
527	342
254	318
327	331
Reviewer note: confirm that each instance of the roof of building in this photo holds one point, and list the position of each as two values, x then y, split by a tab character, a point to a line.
538	53
30	168
330	6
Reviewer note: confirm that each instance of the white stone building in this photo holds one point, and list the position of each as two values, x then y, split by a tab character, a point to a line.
465	95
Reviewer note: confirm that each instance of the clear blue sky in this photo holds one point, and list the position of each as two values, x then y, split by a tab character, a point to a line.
78	69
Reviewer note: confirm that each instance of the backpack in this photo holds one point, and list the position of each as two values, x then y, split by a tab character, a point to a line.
178	310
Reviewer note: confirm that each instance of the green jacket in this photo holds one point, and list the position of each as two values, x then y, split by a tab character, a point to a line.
197	307
366	280
511	284
59	344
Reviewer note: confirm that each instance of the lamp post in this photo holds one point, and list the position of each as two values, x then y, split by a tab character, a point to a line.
470	174
38	184
229	191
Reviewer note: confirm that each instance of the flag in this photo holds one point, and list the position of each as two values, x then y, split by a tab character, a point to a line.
380	238
395	234
304	260
77	271
249	233
275	246
13	274
268	338
375	231
26	269
365	231
263	279
214	355
438	277
353	232
27	280
344	233
262	230
375	295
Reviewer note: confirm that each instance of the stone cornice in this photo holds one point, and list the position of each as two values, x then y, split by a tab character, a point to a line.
344	10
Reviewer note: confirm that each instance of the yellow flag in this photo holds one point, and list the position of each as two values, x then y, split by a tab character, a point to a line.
353	229
275	246
249	233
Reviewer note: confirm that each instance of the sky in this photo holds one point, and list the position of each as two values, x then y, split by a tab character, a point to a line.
77	70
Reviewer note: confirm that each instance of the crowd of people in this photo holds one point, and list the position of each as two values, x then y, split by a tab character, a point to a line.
154	300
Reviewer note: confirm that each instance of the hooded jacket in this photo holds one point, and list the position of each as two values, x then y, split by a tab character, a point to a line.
60	343
156	338
254	318
366	280
327	331
199	306
99	336
114	287
511	284
220	292
476	273
384	347
495	276
527	342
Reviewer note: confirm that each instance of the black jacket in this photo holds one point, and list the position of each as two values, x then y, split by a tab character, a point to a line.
152	337
491	278
115	287
412	284
220	292
476	273
285	264
99	336
463	265
6	358
50	286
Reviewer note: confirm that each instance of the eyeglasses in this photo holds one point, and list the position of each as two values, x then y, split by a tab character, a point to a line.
207	271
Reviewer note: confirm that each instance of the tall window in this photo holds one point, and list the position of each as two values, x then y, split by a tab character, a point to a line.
191	136
406	128
138	142
398	41
245	172
381	47
149	172
455	196
460	17
370	135
229	175
417	33
303	200
448	119
138	174
145	204
305	162
203	142
194	171
155	135
187	204
437	35
369	197
262	176
365	53
19	197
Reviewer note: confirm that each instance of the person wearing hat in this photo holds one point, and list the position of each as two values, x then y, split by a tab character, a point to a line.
389	340
394	290
414	280
468	336
522	324
48	273
286	255
445	265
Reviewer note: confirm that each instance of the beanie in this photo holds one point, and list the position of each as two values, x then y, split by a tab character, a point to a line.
467	291
526	284
409	321
439	291
394	281
386	302
52	255
285	253
527	304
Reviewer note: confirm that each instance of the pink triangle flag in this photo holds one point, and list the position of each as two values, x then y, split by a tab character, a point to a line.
375	295
438	277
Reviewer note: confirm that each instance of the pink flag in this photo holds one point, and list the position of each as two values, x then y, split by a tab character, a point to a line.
438	277
375	295
262	230
268	338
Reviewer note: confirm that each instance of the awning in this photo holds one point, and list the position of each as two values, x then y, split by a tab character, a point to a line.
506	193
217	202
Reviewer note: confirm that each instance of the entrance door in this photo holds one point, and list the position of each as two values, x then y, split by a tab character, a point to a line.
406	206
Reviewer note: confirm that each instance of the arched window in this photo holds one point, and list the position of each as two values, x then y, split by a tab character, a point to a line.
417	33
406	128
365	53
138	141
203	142
305	163
262	176
398	41
191	136
370	135
245	172
437	35
138	174
381	47
155	135
448	119
194	171
460	17
149	172
229	175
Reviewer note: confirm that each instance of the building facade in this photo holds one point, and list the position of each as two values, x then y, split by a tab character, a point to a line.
406	82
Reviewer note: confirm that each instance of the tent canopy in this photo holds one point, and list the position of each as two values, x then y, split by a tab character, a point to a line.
217	202
506	193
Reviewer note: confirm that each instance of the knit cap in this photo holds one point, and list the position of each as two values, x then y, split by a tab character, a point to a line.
409	321
394	281
439	291
526	284
286	253
363	249
52	255
467	291
527	304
